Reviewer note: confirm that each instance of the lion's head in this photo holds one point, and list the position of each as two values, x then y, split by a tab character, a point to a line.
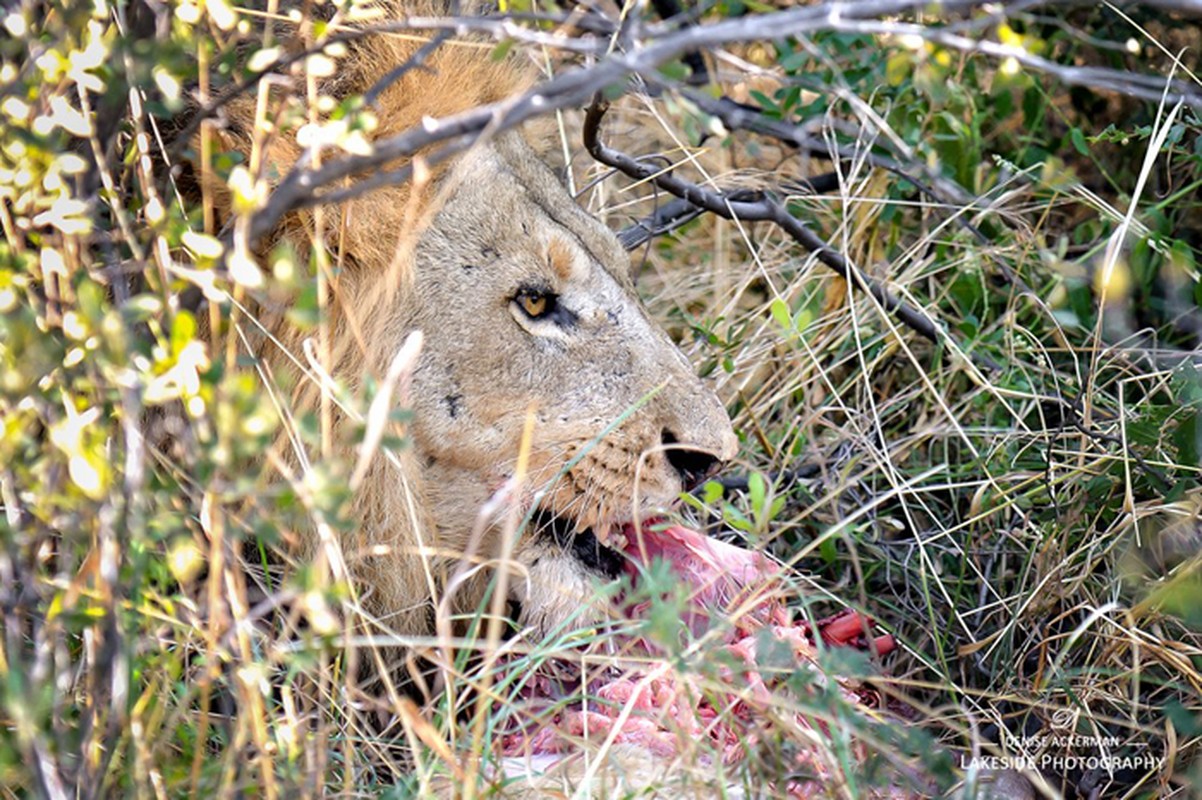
528	308
528	311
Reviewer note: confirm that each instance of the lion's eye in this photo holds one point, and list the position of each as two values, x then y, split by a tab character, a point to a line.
535	303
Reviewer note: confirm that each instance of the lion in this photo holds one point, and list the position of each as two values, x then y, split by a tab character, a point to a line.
527	310
536	348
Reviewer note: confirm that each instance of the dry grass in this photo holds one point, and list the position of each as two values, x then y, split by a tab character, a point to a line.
1027	564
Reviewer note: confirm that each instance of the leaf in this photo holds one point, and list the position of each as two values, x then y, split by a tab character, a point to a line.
757	490
764	101
1186	721
1078	139
183	330
675	70
501	50
1186	439
898	68
780	313
778	505
794	61
1181	256
735	518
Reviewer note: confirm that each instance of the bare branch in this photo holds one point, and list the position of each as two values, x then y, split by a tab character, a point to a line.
416	61
740	116
664	219
299	188
1144	87
658	44
679	211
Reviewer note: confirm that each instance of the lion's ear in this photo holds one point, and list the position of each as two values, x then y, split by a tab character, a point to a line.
543	136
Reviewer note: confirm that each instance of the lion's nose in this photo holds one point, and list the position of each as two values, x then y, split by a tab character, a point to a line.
693	465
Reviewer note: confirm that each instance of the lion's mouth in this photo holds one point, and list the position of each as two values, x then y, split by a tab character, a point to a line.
718	575
721	579
736	598
594	552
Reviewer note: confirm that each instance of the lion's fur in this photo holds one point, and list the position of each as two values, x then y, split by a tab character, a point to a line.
446	257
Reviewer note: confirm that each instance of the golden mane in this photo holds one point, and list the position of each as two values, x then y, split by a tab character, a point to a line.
448	254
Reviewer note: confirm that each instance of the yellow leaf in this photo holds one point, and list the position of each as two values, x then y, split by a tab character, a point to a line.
898	68
1007	36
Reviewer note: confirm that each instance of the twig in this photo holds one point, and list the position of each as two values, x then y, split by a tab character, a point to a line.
664	219
183	137
1143	87
744	116
416	61
670	10
679	212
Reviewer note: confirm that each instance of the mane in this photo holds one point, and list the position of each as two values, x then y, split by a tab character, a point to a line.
366	247
458	75
372	233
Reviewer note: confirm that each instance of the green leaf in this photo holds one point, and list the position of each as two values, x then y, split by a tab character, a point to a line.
675	70
757	490
780	313
735	518
1186	439
501	50
1181	256
1078	139
1186	721
794	61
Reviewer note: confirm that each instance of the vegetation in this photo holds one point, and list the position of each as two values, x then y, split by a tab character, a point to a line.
1010	488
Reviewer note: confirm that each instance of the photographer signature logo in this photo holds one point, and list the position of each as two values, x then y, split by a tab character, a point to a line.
1060	753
